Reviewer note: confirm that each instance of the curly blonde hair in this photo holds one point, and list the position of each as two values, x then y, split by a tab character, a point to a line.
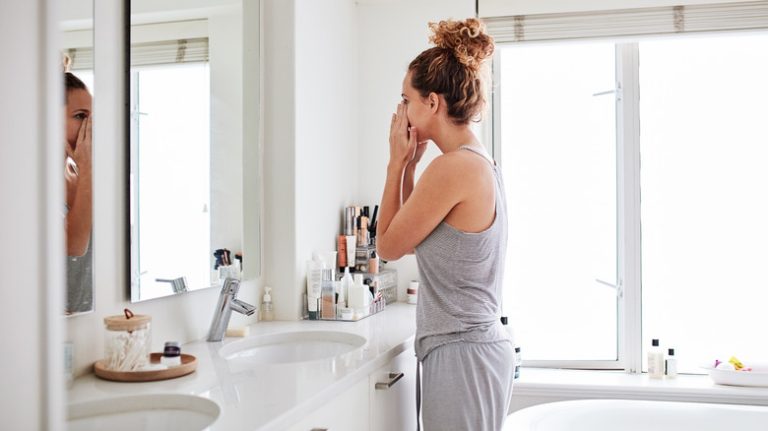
455	67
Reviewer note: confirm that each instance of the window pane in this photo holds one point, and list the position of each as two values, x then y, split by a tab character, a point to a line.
558	154
704	202
174	176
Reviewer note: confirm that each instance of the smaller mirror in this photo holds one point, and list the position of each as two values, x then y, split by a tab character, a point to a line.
78	77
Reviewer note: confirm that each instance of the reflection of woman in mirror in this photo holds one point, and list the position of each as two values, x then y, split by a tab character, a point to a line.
79	204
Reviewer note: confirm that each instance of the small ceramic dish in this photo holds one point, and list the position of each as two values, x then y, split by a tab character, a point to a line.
757	377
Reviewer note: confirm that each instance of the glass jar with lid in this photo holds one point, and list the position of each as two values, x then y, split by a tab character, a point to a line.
127	342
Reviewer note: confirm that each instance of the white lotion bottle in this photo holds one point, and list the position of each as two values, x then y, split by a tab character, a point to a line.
655	360
346	285
314	284
351	250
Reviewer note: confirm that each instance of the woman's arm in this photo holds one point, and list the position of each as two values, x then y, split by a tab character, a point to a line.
401	227
410	170
79	217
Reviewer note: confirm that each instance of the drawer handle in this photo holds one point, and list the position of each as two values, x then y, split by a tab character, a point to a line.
319	429
393	378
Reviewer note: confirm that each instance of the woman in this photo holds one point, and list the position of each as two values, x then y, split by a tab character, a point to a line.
455	219
79	203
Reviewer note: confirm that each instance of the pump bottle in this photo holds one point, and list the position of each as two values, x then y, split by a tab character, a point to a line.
267	312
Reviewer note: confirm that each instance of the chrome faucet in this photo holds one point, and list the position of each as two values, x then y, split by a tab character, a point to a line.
227	303
179	285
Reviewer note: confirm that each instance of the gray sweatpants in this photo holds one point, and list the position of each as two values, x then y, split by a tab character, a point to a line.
467	386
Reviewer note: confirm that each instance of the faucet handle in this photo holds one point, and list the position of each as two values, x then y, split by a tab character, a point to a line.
230	286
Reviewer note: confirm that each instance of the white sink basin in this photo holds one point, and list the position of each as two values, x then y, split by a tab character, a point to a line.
143	412
292	347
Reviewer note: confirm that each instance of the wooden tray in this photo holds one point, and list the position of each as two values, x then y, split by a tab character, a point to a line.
188	365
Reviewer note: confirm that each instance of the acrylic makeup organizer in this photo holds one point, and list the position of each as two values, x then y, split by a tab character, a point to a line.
386	284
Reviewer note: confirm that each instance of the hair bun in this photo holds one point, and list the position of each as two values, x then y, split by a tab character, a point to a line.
467	39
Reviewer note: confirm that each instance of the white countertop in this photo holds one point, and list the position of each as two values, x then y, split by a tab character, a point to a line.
273	397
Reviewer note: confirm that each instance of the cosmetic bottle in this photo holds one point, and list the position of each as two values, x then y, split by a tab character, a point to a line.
328	296
314	281
351	250
655	360
357	296
670	365
341	248
267	312
373	263
345	285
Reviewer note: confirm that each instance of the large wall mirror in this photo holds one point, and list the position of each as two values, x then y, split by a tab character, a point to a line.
78	75
192	142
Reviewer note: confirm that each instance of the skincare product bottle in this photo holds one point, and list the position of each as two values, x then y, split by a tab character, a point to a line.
413	292
267	312
351	250
346	284
356	292
314	281
670	365
341	248
328	293
655	360
373	263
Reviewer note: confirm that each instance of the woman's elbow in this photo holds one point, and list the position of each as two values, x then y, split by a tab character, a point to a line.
387	251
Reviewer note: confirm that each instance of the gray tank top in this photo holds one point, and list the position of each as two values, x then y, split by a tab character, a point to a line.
461	281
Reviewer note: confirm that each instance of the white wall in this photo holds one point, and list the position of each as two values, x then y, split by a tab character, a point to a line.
328	99
392	33
279	250
32	256
326	126
183	317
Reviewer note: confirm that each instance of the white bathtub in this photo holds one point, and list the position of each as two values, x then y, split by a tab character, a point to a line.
630	415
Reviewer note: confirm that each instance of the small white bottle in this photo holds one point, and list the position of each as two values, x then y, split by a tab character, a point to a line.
346	284
655	360
267	312
670	365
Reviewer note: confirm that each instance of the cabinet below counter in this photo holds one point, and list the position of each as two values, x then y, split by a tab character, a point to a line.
338	393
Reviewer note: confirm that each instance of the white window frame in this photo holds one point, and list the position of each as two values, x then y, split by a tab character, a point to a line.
688	19
628	289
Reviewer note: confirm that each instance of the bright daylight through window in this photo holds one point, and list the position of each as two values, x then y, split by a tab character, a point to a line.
703	212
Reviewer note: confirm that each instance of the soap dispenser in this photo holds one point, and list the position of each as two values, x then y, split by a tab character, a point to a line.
267	312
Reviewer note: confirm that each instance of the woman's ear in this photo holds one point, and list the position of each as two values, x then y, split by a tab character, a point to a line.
434	102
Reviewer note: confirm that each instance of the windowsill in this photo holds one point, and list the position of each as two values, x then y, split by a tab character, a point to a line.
568	384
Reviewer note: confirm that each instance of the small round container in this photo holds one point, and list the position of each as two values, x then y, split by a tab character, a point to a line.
127	341
413	292
171	354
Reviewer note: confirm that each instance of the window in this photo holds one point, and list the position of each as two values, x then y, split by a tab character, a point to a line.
704	183
572	119
559	165
170	120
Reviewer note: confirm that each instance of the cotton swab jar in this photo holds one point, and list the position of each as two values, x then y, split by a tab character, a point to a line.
127	342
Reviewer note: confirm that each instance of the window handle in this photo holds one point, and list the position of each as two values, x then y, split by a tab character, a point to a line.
603	93
619	290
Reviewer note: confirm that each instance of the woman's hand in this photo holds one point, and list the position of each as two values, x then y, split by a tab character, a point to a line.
402	139
420	148
83	147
